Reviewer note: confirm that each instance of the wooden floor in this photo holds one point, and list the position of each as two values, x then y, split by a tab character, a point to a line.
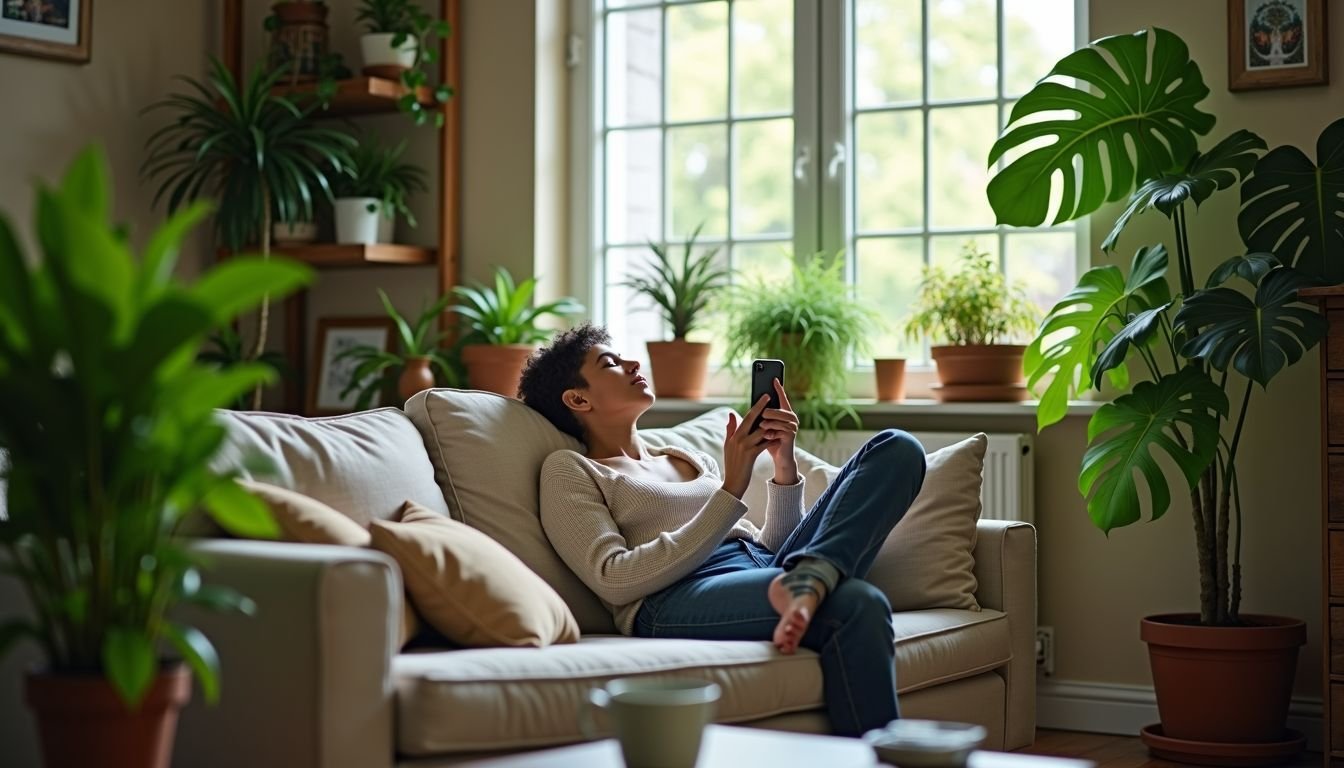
1109	751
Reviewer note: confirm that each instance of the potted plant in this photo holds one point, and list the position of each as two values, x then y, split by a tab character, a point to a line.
974	312
396	46
410	369
255	151
109	427
227	349
373	191
502	330
681	292
1204	349
813	323
298	38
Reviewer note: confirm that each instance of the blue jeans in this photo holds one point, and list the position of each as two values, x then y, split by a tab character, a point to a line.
725	598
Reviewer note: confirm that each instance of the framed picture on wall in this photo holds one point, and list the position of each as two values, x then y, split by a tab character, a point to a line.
54	29
1276	44
331	374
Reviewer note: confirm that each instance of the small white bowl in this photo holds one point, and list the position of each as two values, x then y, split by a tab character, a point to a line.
925	743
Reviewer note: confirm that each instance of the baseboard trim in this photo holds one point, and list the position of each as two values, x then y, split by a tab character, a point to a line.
1076	705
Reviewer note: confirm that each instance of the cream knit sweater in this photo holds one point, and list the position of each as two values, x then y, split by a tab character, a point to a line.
627	538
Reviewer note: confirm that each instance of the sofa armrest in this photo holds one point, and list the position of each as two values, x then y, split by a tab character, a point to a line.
1005	572
306	681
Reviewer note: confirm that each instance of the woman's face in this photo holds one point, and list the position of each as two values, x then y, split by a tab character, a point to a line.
616	388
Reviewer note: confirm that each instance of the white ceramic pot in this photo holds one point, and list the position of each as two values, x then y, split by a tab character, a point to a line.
294	232
359	220
377	51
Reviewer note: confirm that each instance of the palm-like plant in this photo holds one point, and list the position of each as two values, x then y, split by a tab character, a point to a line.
376	371
377	171
505	315
681	291
255	151
227	350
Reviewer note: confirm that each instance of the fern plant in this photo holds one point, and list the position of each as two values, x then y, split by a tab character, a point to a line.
376	371
681	291
504	314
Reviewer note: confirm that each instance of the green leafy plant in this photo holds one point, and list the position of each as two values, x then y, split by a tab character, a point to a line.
376	371
504	314
972	303
813	323
108	421
406	21
681	291
377	170
1204	348
255	151
227	349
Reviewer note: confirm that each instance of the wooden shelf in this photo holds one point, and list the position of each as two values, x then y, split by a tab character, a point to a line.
337	255
360	96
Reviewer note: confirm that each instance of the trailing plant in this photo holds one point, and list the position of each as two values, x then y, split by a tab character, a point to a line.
110	428
972	303
377	170
227	350
681	291
813	323
255	151
504	314
1205	348
406	21
375	371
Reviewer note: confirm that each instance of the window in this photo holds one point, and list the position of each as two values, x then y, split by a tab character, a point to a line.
794	126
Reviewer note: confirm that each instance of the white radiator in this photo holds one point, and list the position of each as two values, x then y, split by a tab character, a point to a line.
1006	492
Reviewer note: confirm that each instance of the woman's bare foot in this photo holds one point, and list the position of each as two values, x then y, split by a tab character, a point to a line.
795	597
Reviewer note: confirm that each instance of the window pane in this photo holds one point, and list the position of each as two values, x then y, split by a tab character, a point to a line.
889	163
762	56
1036	34
946	250
963	49
697	61
1045	263
888	272
634	67
631	318
634	183
959	141
770	262
763	194
888	58
697	172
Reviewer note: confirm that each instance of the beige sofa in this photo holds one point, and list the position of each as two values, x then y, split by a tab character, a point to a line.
318	679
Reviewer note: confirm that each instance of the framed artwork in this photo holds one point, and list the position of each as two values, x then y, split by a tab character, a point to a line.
1276	44
54	29
329	375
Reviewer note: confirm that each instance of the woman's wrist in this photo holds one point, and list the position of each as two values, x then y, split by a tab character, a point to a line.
786	471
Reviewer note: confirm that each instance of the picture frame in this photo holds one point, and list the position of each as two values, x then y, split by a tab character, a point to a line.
1276	44
329	376
51	29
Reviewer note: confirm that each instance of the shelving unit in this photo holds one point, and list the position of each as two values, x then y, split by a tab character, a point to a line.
361	96
341	255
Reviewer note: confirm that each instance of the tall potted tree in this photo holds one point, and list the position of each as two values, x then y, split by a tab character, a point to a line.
108	422
1204	349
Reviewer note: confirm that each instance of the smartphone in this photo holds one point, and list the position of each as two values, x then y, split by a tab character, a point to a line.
763	375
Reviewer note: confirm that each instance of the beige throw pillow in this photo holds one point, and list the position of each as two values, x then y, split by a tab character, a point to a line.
469	587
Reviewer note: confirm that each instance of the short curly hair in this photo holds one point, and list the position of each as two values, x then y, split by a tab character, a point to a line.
555	368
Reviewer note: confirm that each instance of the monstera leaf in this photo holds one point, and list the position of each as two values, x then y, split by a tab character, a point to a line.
1139	330
1178	416
1147	102
1089	318
1294	208
1227	163
1249	267
1257	338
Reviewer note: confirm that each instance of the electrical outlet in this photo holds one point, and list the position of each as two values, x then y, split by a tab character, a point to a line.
1045	650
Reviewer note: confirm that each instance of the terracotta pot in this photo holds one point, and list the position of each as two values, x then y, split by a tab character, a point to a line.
416	376
890	378
679	368
300	38
82	722
979	363
1223	684
797	382
495	367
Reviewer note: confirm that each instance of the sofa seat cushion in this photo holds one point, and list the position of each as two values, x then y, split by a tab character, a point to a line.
513	698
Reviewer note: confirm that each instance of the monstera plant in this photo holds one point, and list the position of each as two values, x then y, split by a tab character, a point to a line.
1204	348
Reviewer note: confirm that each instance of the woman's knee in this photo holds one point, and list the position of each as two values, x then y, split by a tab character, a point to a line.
895	447
857	601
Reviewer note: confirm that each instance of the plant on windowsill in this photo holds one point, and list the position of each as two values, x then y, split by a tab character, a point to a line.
813	323
373	191
502	329
974	314
397	46
109	425
408	370
681	291
1225	335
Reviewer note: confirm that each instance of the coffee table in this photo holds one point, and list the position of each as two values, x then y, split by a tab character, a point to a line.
727	746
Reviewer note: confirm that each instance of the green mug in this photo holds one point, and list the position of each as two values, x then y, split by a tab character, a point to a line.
657	721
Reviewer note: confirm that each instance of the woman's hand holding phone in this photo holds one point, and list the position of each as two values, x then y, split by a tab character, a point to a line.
780	427
741	446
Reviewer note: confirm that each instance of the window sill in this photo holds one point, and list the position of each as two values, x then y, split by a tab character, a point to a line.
909	407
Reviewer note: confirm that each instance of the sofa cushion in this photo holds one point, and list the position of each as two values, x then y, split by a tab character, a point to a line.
509	698
469	587
364	464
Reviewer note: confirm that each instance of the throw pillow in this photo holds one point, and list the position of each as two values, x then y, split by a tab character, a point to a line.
469	587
